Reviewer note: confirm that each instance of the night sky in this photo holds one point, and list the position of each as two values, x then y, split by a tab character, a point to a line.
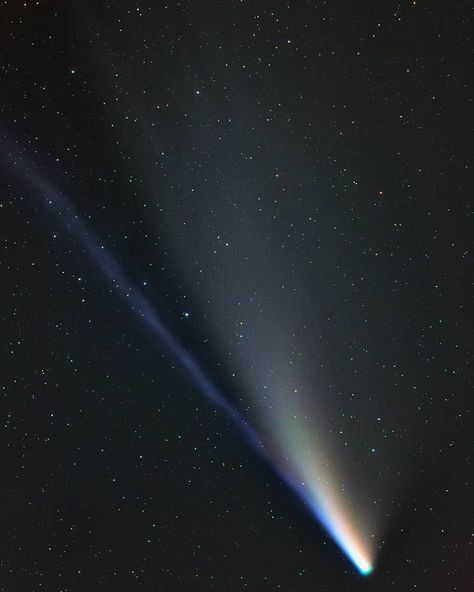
236	296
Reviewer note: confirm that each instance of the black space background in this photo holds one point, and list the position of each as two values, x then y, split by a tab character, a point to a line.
115	475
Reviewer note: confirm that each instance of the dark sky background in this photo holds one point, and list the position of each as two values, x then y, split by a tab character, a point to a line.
291	177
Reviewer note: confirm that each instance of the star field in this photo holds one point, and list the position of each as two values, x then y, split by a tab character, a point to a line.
236	254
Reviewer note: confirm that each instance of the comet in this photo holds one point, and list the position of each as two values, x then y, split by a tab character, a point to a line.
310	481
